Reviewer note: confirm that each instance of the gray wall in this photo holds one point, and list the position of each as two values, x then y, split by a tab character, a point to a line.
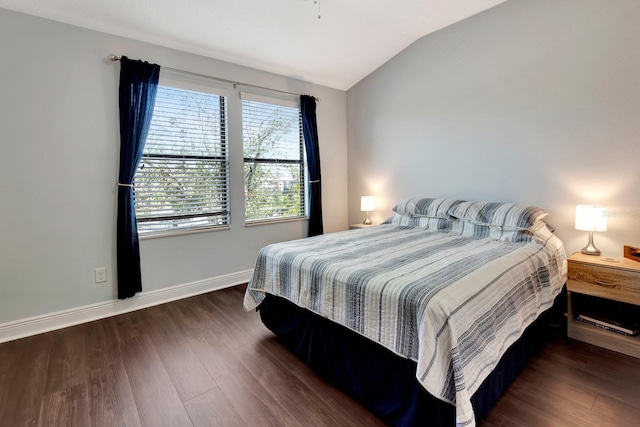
59	161
531	101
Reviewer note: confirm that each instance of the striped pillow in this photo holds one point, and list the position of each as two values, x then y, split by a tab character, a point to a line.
431	208
465	228
432	224
511	216
407	221
492	232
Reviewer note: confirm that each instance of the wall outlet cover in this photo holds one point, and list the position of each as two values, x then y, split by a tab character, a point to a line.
101	275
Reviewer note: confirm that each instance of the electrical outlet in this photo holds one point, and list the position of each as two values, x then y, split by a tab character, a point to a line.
101	274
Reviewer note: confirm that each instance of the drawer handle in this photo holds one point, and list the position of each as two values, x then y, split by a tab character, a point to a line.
606	285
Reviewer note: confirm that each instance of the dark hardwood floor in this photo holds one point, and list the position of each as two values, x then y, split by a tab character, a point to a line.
203	361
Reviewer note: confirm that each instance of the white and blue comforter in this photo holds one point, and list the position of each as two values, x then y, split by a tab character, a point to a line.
452	302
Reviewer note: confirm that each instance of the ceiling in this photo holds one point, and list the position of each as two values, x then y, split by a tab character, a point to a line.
350	40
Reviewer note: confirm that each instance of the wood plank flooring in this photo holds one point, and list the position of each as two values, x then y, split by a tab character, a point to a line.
203	361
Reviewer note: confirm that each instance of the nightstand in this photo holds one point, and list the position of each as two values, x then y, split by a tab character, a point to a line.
596	285
355	226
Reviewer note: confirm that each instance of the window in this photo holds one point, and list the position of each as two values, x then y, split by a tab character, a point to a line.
274	169
182	180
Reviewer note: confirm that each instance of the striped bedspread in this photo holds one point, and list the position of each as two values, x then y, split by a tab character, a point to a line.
452	302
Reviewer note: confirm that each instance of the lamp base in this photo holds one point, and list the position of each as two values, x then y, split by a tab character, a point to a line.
591	249
588	251
367	221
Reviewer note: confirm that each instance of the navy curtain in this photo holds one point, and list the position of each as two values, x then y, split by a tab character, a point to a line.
138	87
310	131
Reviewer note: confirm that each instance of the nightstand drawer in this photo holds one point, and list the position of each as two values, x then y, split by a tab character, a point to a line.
612	278
622	276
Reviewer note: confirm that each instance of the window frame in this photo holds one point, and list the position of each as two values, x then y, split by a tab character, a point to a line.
180	81
287	102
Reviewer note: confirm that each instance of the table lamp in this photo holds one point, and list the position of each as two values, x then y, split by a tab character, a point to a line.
367	204
591	218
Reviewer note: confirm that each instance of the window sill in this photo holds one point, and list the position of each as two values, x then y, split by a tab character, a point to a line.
274	221
159	234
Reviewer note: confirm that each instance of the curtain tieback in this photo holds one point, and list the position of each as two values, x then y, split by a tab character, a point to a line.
125	185
314	182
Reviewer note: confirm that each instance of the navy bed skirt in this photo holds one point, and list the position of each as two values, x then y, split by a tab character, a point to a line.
380	380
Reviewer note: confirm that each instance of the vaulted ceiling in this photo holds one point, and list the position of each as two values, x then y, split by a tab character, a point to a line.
350	39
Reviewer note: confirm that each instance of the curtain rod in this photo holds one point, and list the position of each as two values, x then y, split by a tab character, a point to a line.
114	58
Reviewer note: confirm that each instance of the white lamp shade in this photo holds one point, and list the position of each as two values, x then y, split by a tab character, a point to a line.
367	204
591	218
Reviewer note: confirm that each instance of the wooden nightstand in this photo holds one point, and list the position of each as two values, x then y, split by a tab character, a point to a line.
354	226
595	285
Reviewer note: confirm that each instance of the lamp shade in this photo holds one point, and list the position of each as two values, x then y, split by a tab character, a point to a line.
367	204
591	218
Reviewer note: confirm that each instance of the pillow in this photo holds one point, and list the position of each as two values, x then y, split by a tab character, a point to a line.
431	208
493	232
470	229
511	216
407	221
505	235
440	224
536	233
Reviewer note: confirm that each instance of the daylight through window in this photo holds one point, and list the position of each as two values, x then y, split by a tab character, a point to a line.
182	180
274	169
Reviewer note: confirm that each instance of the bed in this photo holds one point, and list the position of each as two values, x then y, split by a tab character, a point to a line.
425	318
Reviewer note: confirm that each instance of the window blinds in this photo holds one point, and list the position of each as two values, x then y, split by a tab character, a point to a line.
274	169
182	180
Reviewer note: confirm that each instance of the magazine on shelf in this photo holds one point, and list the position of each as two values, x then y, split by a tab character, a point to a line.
611	324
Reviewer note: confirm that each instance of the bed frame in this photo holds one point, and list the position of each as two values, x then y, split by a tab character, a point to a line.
379	379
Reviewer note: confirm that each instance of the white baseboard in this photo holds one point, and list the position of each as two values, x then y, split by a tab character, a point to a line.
61	319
